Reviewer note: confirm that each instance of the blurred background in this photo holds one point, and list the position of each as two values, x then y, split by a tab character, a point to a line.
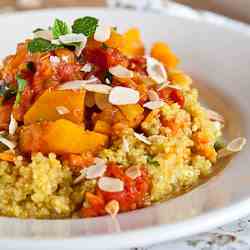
236	9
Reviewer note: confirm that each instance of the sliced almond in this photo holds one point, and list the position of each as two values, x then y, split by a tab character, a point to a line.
98	88
78	84
234	146
90	99
142	138
86	68
171	86
154	104
55	41
79	49
121	72
125	145
123	96
100	161
102	33
133	172
110	184
54	60
62	110
79	179
153	96
112	207
73	38
45	34
214	116
13	125
95	171
156	70
163	85
10	144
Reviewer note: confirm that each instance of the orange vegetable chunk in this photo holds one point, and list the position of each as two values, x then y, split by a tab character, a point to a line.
163	53
57	104
61	137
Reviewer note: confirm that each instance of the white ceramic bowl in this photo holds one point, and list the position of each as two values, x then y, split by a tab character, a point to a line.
219	59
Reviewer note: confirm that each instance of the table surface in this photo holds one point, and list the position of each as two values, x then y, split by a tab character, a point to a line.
235	236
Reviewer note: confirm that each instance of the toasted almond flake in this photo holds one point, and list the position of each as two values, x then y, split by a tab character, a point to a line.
125	145
163	85
13	125
90	99
154	104
121	72
54	60
102	33
107	81
73	38
45	34
112	207
102	101
142	138
133	172
86	68
98	88
234	146
171	86
79	49
10	144
153	96
79	179
156	70
214	116
78	84
62	110
95	171
100	161
110	184
123	96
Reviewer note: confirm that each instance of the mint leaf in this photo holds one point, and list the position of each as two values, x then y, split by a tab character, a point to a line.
21	83
41	45
59	28
86	25
152	161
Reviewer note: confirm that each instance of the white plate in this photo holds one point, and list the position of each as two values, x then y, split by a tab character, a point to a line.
219	59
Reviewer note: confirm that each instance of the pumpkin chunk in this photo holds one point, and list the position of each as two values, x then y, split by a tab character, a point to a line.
51	102
61	137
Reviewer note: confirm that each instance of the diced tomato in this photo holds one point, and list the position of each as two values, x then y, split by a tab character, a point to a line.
138	64
68	72
134	190
170	95
105	58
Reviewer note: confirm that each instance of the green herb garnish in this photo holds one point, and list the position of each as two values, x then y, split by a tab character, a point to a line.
41	45
21	83
86	25
60	28
152	161
219	144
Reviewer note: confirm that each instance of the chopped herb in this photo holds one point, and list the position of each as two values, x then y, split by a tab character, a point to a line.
108	77
219	144
104	46
152	161
31	67
41	45
21	83
60	28
86	25
7	92
36	30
